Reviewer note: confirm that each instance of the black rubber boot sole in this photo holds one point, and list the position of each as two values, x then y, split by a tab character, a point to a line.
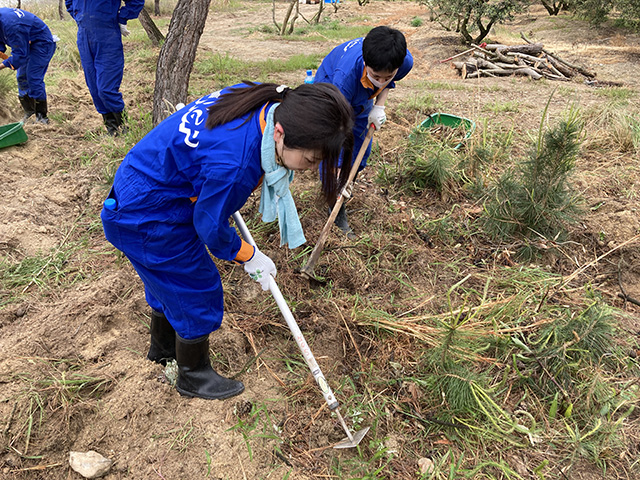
221	396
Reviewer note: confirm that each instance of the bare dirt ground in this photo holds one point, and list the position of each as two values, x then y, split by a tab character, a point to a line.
96	322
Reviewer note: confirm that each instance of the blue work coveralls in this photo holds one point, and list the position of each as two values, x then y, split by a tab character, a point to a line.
344	67
32	47
100	47
163	232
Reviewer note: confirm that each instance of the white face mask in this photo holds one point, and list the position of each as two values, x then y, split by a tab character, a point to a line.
374	82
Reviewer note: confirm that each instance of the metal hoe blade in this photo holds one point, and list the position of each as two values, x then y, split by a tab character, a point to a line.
352	439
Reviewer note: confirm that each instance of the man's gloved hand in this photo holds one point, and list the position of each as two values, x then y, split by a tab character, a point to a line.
377	116
124	30
260	268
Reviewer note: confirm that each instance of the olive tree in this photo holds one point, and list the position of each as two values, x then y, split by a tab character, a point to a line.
473	19
597	11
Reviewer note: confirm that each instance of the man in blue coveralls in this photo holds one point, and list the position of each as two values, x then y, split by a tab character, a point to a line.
364	70
32	47
101	25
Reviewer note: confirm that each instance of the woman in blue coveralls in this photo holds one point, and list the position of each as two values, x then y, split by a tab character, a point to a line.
32	47
175	190
364	70
101	25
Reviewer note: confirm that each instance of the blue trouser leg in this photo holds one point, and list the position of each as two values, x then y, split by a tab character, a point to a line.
102	60
86	58
31	76
179	276
23	84
153	302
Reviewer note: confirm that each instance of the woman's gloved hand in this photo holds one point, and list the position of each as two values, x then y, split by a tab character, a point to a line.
260	268
377	116
124	31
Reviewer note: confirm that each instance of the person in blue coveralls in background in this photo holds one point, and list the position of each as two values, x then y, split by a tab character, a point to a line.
32	47
364	70
174	193
101	26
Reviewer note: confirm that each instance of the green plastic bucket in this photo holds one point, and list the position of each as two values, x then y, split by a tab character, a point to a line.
449	120
12	134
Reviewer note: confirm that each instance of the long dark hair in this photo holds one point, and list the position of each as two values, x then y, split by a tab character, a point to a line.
313	116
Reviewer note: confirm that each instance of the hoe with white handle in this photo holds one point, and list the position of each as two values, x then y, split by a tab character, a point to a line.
352	439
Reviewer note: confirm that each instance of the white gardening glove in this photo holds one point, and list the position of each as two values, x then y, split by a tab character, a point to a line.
377	116
260	268
124	30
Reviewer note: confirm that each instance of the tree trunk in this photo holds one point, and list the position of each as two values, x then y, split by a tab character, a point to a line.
177	56
466	15
61	9
156	8
154	34
283	29
316	17
551	7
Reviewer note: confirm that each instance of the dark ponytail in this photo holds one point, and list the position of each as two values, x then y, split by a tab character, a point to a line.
313	116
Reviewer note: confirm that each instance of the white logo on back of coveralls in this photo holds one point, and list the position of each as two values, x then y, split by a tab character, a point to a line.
194	117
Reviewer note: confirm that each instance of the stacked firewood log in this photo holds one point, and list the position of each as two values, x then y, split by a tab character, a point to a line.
531	59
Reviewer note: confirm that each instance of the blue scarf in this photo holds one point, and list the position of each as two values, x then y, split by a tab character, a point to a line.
276	199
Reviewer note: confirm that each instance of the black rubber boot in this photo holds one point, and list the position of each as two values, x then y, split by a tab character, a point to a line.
196	378
28	105
41	111
342	222
111	123
163	339
115	123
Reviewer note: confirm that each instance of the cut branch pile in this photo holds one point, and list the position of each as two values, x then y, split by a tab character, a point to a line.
496	60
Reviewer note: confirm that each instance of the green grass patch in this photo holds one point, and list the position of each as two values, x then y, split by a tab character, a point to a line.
497	106
426	86
616	94
56	392
334	31
8	87
225	70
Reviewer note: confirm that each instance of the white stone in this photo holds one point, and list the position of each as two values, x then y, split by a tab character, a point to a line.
426	465
89	464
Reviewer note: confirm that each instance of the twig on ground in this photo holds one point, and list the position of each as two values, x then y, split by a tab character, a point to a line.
244	474
624	295
314	416
257	357
39	467
571	277
353	341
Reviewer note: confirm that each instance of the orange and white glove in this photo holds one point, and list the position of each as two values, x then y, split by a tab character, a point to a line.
260	268
377	116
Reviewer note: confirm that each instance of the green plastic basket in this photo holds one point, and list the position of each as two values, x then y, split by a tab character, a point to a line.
449	120
12	134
